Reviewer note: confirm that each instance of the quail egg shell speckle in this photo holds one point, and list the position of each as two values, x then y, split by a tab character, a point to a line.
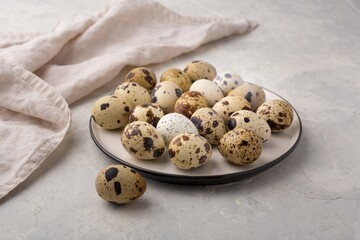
277	113
173	124
200	70
177	76
143	76
208	89
209	124
143	141
189	102
165	94
119	184
254	94
251	121
189	151
147	112
240	146
133	93
230	104
111	112
228	81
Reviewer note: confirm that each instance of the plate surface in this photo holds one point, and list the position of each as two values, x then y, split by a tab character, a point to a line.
216	171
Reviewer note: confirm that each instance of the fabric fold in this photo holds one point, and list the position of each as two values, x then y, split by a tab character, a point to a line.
80	55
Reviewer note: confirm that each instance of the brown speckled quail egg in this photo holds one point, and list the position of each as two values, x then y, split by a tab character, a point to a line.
111	112
173	124
133	92
254	94
147	112
200	70
189	151
277	113
177	76
165	94
251	121
119	184
209	124
230	104
189	102
143	76
240	146
142	140
228	81
208	89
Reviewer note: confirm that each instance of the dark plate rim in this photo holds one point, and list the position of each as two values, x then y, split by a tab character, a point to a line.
202	180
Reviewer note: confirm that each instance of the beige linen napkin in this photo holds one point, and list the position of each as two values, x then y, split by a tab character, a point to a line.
40	74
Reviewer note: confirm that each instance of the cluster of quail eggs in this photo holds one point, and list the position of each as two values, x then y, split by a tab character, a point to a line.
189	112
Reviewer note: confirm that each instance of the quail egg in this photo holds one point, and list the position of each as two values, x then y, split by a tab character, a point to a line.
189	102
277	113
208	89
133	93
189	151
209	124
119	184
147	112
173	124
177	76
142	140
240	146
251	121
228	81
143	76
200	70
254	94
111	112
230	104
165	94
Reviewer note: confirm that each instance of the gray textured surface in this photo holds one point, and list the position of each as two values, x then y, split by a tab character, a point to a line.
307	51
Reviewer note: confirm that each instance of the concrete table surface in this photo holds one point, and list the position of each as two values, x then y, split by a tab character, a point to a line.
306	51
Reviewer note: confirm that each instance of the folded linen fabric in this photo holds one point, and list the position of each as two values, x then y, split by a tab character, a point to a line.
40	74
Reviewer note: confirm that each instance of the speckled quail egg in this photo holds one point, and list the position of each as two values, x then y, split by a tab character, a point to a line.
251	121
133	92
119	184
111	112
228	81
165	94
143	76
230	104
208	89
142	140
189	151
177	76
209	124
189	102
254	94
200	70
173	124
240	146
147	112
277	113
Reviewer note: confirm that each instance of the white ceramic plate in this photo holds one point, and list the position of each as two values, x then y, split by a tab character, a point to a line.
216	171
